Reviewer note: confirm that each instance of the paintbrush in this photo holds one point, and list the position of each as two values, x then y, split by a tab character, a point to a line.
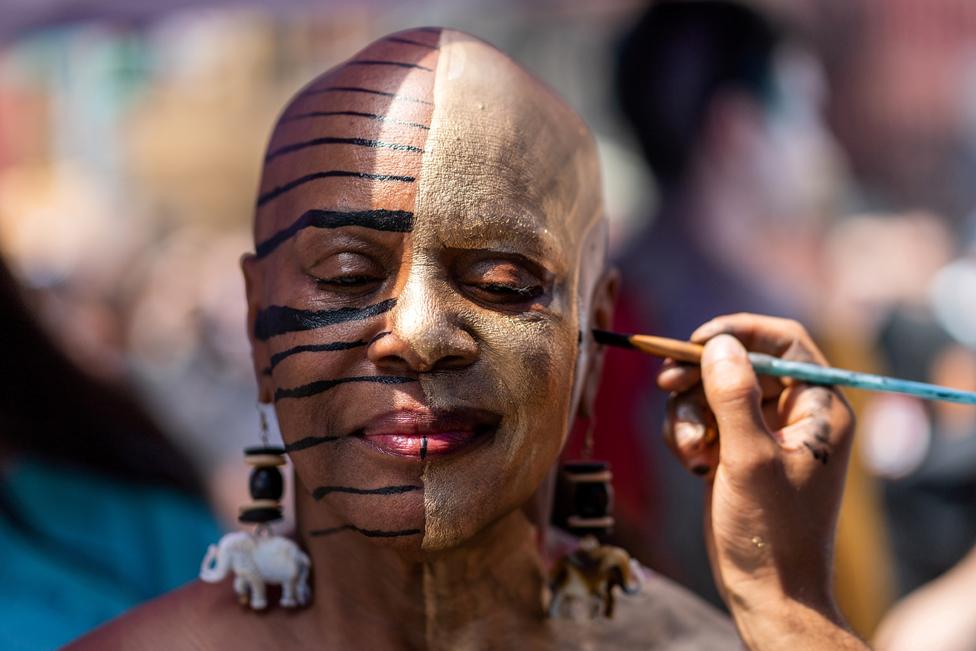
685	351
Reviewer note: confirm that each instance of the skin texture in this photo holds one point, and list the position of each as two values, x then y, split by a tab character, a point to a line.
430	241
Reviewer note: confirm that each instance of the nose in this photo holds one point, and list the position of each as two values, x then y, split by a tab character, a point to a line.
424	336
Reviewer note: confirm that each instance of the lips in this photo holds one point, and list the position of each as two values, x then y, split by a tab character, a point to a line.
422	434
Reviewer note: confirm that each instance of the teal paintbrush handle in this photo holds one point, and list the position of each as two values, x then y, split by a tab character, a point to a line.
769	365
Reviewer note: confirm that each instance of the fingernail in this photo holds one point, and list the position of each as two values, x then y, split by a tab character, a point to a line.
723	347
687	434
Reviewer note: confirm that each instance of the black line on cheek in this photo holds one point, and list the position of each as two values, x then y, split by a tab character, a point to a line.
398	64
359	114
314	348
277	191
280	319
309	442
336	140
423	448
369	533
397	39
321	386
366	91
322	491
394	221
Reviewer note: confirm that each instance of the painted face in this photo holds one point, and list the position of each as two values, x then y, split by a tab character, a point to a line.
428	221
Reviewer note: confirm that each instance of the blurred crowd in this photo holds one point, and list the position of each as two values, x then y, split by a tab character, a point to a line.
810	159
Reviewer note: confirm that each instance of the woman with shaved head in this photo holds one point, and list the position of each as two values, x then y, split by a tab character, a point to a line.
430	258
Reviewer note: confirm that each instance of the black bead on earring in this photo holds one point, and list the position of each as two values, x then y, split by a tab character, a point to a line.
582	582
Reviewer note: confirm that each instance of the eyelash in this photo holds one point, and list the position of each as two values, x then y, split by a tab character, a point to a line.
526	293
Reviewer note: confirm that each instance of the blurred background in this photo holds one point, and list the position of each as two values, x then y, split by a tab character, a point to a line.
828	178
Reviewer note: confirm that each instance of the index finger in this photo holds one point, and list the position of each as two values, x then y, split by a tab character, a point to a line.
783	338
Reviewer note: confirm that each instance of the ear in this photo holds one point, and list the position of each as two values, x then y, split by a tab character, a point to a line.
260	356
601	317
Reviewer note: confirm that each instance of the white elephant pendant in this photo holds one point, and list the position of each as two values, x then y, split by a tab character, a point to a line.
257	560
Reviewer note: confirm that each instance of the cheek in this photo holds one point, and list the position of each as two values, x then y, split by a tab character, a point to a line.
525	373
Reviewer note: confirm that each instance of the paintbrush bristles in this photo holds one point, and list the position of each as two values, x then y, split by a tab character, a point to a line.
682	351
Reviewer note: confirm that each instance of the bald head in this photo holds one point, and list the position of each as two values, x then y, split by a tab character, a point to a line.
429	236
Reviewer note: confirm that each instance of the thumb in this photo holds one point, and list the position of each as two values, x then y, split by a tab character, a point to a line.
734	396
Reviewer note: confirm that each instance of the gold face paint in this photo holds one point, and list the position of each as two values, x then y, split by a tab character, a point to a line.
429	232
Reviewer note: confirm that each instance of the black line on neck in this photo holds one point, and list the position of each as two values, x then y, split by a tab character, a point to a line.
335	140
398	64
369	533
309	442
276	192
367	91
397	39
423	448
314	348
359	114
321	386
322	491
396	221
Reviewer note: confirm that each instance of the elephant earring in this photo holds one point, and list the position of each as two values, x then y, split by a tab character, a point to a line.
260	558
582	583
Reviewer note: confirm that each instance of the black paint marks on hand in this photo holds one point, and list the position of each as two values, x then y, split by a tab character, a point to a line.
821	454
336	140
359	114
322	491
423	448
366	91
321	386
308	442
396	221
314	348
369	533
398	64
277	191
280	319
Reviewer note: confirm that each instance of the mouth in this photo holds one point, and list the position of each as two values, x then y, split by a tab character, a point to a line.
423	434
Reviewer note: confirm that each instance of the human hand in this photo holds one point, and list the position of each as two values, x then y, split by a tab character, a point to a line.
773	453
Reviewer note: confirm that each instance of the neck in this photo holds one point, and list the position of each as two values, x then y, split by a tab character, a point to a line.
486	592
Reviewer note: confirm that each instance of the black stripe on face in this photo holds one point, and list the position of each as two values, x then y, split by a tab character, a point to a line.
321	386
334	140
397	39
357	114
398	64
309	442
367	91
322	491
314	348
280	319
395	221
369	533
276	192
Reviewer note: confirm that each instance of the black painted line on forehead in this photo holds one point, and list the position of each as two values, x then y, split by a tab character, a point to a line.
310	442
359	114
336	140
280	319
314	348
369	533
398	64
276	192
322	491
321	386
396	221
397	39
368	91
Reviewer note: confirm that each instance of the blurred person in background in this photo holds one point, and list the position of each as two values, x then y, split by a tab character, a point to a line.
725	107
98	510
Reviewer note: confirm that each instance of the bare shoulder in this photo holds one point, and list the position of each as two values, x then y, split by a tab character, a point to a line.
663	615
196	616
